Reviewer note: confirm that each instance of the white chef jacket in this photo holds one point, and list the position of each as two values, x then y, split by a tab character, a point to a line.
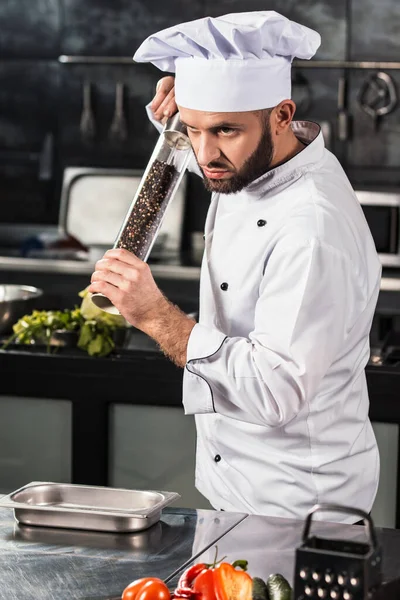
275	366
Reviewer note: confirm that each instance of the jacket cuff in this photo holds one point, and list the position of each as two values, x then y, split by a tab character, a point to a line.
204	342
197	391
159	126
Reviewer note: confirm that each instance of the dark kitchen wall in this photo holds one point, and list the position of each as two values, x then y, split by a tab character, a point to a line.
375	37
41	98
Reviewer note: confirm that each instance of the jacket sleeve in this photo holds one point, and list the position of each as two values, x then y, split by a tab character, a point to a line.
193	167
308	300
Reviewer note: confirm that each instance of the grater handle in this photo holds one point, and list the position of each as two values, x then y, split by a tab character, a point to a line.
342	509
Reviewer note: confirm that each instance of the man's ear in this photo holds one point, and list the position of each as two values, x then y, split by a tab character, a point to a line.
284	113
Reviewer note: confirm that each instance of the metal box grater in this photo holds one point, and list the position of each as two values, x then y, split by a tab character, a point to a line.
337	569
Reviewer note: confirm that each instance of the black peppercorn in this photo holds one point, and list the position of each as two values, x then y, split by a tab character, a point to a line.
261	222
148	210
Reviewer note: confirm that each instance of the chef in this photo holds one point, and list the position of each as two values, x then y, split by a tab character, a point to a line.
274	368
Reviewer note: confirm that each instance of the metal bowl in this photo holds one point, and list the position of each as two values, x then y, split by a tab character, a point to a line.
15	302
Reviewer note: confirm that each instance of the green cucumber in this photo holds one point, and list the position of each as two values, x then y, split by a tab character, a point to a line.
259	589
278	588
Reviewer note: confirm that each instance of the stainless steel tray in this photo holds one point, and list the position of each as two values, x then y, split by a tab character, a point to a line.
87	507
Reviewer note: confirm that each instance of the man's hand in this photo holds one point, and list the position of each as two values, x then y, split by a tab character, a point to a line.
128	283
163	104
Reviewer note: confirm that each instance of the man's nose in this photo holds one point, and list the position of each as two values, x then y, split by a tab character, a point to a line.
207	151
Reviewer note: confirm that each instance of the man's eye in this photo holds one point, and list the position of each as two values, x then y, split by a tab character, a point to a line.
227	130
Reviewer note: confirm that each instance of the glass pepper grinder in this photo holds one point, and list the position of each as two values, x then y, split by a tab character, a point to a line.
156	190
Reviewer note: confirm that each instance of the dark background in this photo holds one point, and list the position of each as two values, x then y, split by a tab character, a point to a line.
40	96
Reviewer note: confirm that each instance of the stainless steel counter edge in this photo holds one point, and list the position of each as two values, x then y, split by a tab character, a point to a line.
390	284
72	267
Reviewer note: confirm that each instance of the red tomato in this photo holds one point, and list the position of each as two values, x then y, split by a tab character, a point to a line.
148	588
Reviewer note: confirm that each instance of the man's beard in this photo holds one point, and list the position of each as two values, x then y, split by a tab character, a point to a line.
256	165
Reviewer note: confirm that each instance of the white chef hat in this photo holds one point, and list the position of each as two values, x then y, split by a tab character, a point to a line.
233	63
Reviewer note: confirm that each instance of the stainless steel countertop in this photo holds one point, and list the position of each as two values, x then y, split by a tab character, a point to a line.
269	543
47	563
77	267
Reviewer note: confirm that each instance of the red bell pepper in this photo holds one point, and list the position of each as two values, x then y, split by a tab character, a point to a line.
188	576
211	582
231	584
203	586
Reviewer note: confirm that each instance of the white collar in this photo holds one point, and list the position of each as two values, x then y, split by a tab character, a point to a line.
308	133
